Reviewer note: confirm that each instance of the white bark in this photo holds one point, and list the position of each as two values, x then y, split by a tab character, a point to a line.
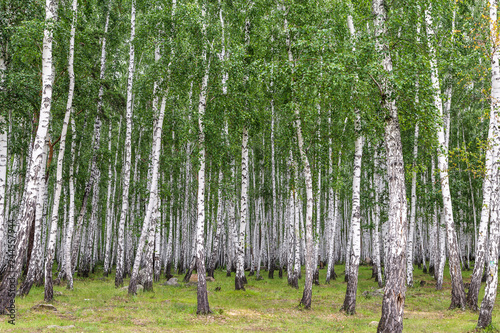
395	289
202	296
240	279
153	193
128	156
33	178
458	292
349	305
3	173
354	257
409	248
490	292
49	292
379	187
488	182
309	250
331	215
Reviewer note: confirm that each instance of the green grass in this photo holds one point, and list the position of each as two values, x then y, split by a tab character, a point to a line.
267	305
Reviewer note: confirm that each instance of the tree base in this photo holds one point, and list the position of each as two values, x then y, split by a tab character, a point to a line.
239	283
316	277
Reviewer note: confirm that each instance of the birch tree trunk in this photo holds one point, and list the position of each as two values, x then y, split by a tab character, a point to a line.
274	221
34	260
410	245
49	257
3	166
240	279
17	251
330	270
349	305
71	215
128	157
291	226
490	292
395	289
376	220
202	295
457	291
109	219
493	133
309	249
3	178
153	193
218	232
220	212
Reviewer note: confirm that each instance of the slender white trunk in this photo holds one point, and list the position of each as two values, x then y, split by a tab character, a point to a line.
49	292
296	205
291	223
490	292
379	187
148	231
3	174
109	220
220	226
349	305
458	291
488	182
330	272
409	248
71	215
274	221
202	295
309	249
240	278
128	157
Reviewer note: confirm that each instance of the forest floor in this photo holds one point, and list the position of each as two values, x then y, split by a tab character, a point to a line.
267	306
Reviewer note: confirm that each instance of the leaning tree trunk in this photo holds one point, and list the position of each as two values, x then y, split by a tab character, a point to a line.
490	292
493	133
457	291
153	193
395	289
128	158
17	251
34	260
220	213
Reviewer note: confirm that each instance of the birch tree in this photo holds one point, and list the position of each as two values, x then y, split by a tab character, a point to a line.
34	177
458	291
128	157
395	288
202	295
490	293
